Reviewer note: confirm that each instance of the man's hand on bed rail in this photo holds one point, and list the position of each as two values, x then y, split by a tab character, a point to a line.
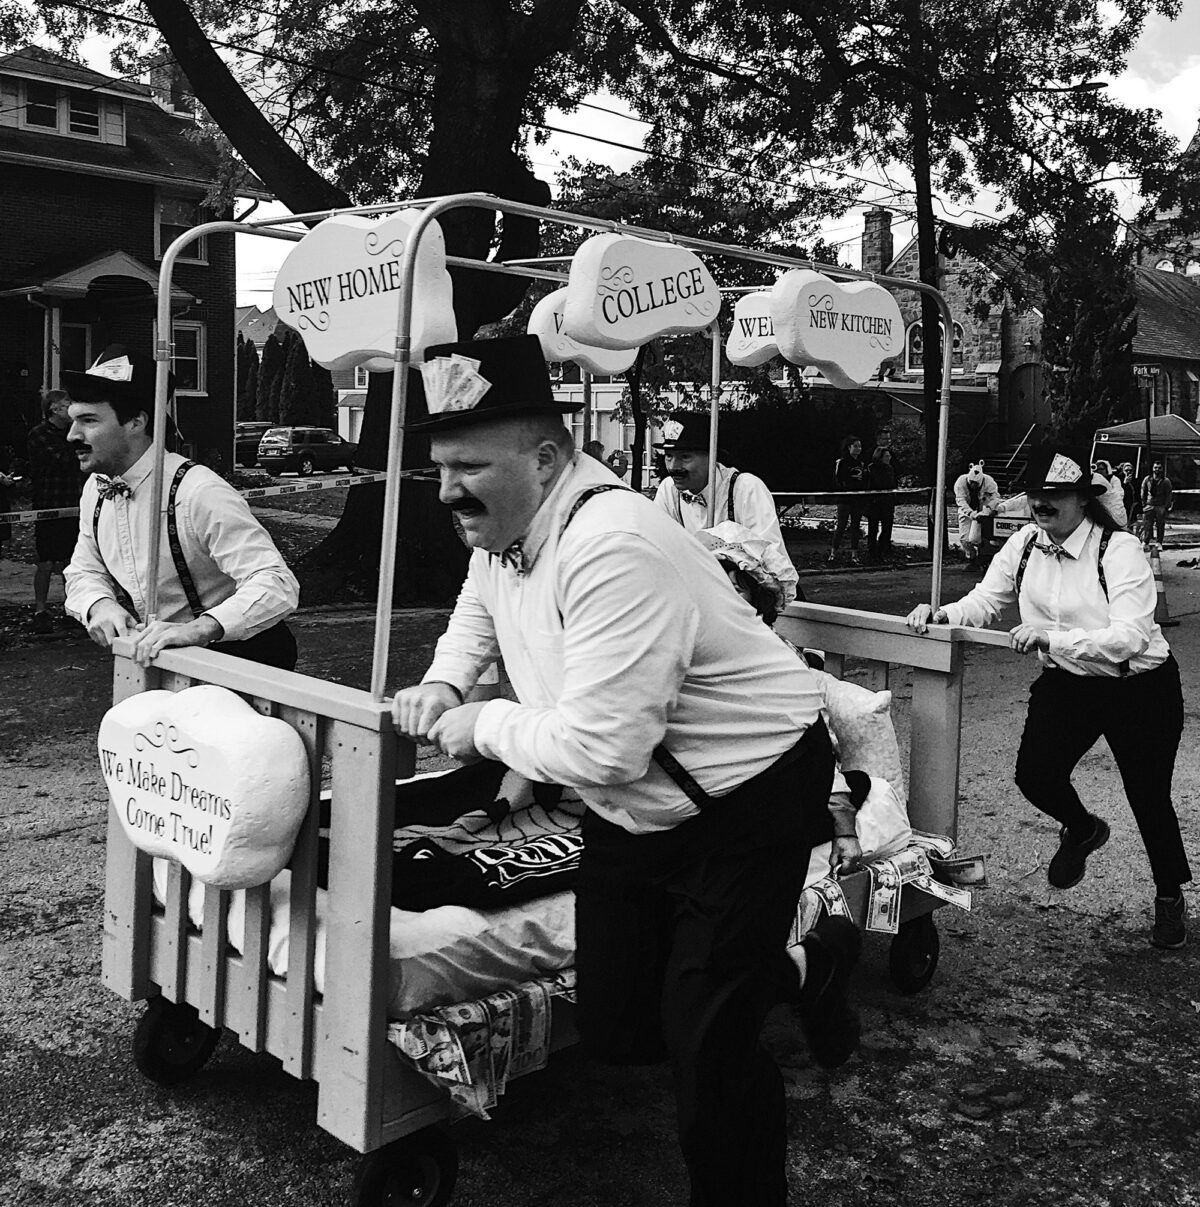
920	618
454	732
415	710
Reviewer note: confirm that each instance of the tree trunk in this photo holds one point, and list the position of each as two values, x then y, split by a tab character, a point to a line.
487	55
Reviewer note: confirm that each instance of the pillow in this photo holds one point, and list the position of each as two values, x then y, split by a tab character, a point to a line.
861	724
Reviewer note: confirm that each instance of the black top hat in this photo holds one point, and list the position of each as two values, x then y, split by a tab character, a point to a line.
482	380
118	375
1055	467
689	435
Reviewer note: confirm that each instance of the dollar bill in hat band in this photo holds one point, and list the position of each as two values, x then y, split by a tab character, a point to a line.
116	374
1055	467
481	381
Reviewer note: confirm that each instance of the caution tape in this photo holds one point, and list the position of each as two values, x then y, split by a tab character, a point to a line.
255	492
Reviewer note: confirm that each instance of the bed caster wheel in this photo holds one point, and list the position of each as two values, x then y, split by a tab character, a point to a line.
913	957
171	1044
414	1171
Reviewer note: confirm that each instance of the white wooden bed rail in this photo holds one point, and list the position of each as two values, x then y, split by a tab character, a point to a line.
367	1096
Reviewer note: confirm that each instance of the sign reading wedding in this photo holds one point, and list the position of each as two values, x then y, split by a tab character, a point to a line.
752	337
623	292
845	330
338	289
200	777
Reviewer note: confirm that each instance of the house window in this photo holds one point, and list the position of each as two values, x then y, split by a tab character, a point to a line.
176	215
914	348
75	347
362	379
1165	266
188	361
41	105
83	114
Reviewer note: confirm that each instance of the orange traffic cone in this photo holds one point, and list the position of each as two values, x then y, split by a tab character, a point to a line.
1162	614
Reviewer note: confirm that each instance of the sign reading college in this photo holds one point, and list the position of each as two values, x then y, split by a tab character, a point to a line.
623	292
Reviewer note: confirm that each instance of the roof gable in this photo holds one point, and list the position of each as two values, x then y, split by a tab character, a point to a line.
1168	315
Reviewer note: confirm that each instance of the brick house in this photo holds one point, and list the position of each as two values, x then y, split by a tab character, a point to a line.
100	176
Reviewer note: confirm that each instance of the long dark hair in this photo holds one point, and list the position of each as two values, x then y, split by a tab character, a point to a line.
1095	511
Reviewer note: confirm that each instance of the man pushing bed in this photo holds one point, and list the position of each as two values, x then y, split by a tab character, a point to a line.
691	732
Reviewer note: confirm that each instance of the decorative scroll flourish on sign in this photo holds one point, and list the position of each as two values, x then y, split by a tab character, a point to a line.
201	777
338	288
546	322
623	292
845	330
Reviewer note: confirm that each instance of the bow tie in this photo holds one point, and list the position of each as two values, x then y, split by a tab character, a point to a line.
514	557
688	497
1052	550
110	487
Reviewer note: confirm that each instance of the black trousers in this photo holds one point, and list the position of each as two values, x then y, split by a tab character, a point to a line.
849	515
275	646
680	952
879	527
1141	718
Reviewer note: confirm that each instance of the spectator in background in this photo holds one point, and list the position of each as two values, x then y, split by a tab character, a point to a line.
978	498
881	475
595	448
618	462
8	479
1156	502
56	481
1129	495
1114	493
849	474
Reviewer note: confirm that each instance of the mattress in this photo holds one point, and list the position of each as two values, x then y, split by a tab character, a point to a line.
454	954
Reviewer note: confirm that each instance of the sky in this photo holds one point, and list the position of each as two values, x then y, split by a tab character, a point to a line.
1163	73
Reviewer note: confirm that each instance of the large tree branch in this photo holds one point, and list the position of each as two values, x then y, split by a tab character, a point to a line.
268	155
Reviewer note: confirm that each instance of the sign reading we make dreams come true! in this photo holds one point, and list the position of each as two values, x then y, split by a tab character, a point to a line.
201	777
338	289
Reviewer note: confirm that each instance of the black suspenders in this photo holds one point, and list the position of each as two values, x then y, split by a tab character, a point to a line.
733	477
661	755
181	568
1020	574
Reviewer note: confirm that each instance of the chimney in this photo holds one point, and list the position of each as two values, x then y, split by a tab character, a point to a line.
170	87
877	240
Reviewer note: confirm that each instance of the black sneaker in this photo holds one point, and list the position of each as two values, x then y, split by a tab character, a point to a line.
43	622
1170	929
829	1022
1070	860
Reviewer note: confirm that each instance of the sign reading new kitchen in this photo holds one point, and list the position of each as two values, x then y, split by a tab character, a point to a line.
338	288
845	330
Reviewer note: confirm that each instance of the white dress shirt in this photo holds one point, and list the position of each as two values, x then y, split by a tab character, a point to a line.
241	578
1089	635
622	635
753	508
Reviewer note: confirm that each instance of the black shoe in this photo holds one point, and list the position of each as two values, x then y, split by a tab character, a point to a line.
829	1022
1170	929
1070	860
43	622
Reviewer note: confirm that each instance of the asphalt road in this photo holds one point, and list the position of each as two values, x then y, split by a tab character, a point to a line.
1054	1059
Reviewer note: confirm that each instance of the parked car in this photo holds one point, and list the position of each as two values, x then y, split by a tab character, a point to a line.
245	442
304	449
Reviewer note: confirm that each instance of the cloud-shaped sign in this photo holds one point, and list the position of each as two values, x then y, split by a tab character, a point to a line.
844	330
752	337
200	777
338	289
546	322
623	292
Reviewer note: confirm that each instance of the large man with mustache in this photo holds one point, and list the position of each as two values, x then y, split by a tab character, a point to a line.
691	732
222	582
